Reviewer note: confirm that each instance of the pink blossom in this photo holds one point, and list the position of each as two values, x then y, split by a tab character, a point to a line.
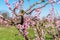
40	10
36	18
58	22
32	23
37	38
25	19
8	5
25	32
6	1
42	31
52	1
37	10
58	25
5	22
16	5
49	19
49	0
26	25
1	20
21	1
19	26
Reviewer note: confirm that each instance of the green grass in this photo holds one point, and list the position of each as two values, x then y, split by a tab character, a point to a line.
48	36
9	33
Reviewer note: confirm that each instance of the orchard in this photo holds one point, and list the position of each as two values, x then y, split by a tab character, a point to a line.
28	22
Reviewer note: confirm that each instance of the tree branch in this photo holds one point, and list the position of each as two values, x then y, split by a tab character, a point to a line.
11	9
33	5
31	10
14	12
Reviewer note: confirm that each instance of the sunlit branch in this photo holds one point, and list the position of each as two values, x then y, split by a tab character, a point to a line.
33	5
13	11
36	3
31	10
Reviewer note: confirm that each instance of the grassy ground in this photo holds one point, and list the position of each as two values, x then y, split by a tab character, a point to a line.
9	33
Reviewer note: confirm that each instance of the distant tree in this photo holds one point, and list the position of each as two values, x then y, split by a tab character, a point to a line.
5	15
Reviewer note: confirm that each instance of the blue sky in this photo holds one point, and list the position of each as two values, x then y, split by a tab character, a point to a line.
26	5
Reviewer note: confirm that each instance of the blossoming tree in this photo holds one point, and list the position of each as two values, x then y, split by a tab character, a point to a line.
25	22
